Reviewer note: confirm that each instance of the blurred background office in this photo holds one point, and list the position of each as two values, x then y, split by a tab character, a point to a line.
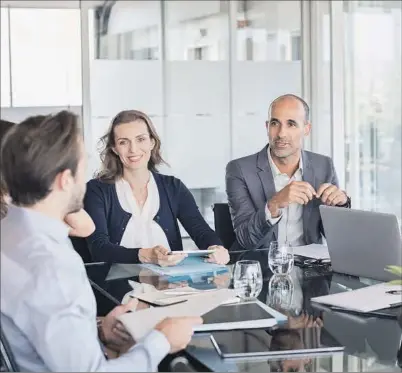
206	71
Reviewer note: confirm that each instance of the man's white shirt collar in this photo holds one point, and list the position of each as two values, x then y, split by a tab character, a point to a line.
274	167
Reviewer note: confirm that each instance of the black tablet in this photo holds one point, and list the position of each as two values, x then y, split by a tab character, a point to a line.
243	315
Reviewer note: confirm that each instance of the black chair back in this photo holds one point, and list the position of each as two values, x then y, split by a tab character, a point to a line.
81	247
7	360
223	224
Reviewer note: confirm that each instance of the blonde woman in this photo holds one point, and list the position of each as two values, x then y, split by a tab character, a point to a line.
136	209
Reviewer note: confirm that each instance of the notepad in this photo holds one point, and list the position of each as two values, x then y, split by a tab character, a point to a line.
313	251
142	322
188	266
368	299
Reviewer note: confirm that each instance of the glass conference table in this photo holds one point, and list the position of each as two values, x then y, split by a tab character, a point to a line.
372	343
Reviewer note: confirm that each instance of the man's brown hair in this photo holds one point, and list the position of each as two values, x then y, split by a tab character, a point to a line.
35	151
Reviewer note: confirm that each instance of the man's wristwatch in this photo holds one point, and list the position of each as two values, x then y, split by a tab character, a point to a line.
101	335
348	202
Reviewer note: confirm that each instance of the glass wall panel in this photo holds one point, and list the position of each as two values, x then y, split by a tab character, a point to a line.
197	97
268	64
125	66
373	104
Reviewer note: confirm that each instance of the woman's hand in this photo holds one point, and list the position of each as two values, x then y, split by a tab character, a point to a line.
80	223
159	255
220	256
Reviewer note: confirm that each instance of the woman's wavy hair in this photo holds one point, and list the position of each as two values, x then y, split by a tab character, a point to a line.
112	168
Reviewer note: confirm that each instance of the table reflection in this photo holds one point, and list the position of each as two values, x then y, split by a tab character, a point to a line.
370	342
280	292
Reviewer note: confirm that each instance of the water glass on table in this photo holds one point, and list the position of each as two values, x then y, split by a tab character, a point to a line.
247	279
280	258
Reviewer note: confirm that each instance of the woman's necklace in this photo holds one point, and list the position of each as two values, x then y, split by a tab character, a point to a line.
140	194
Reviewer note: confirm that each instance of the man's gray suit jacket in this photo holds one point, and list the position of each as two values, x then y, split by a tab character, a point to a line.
250	184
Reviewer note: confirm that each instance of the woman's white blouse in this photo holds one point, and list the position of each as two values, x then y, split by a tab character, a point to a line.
141	231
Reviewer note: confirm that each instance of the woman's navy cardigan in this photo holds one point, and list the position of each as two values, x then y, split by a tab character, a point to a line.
176	202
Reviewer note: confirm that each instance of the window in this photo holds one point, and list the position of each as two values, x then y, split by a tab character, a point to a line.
128	30
373	107
268	31
198	53
249	49
296	48
45	57
199	26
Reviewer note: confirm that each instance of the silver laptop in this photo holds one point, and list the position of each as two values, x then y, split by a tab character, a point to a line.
362	243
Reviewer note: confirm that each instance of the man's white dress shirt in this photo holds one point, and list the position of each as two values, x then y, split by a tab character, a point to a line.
290	221
48	309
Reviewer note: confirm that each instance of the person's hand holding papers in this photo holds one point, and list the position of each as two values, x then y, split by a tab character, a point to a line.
112	332
178	331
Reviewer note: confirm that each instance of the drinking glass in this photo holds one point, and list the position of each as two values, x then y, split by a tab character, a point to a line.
247	279
280	258
280	292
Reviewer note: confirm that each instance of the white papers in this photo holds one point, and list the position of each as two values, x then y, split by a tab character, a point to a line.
368	299
142	322
193	252
314	251
150	294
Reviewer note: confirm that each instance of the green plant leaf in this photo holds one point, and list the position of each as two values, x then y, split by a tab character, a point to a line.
395	282
396	270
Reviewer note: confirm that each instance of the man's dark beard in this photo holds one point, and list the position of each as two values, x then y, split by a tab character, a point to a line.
76	204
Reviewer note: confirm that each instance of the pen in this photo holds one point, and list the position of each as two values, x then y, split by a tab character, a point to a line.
159	304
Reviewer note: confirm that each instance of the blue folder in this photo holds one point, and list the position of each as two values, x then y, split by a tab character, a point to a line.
189	266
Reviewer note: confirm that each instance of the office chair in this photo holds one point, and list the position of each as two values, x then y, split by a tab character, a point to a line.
181	364
7	360
223	224
81	247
